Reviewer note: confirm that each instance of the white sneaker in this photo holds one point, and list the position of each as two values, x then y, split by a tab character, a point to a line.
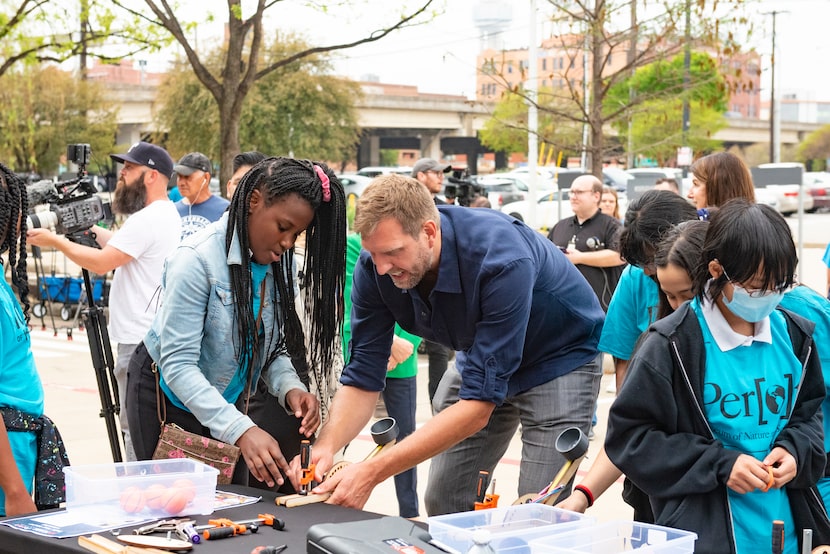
612	387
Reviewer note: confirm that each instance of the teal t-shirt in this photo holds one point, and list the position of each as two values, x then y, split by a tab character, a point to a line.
748	394
632	309
237	384
20	385
809	304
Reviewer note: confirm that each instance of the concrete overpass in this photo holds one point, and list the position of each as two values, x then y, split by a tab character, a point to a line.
743	132
398	117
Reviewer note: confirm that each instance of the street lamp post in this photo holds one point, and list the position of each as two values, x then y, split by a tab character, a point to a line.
774	149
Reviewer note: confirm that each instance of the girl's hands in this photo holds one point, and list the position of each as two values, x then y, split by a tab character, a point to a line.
306	406
775	471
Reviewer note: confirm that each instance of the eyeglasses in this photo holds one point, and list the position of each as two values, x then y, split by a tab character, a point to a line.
757	293
574	192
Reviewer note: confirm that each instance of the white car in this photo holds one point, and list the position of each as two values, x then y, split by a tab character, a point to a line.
353	184
500	191
522	180
375	170
785	181
549	210
644	178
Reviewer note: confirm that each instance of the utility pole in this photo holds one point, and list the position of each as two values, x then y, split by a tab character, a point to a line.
687	78
774	147
631	59
84	28
532	88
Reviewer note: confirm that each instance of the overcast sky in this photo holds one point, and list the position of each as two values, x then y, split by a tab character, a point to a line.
440	56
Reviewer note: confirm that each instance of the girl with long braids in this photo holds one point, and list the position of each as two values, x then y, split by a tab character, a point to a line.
26	433
228	316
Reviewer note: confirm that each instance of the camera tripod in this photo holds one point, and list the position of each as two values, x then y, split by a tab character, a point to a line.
99	346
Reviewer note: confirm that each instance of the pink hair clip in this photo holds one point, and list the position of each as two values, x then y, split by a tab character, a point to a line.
326	184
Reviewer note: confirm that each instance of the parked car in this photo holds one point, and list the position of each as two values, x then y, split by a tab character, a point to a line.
353	184
522	181
562	177
375	170
644	178
818	184
500	191
786	182
548	210
768	197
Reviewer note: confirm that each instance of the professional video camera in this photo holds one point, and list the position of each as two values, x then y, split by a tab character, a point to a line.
73	205
74	209
461	188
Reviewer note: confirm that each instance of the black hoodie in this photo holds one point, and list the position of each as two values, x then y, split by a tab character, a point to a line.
658	435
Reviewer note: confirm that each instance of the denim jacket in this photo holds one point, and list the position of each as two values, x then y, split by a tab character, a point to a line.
193	336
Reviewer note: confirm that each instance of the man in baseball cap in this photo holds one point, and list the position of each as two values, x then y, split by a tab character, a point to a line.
428	164
138	249
430	173
198	207
149	155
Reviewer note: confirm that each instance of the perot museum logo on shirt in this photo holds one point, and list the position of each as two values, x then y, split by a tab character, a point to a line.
764	402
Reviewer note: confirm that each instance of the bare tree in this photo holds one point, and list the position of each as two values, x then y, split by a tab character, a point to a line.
596	37
241	68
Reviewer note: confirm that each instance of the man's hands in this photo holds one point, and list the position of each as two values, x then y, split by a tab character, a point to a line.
42	237
358	482
322	460
749	474
306	406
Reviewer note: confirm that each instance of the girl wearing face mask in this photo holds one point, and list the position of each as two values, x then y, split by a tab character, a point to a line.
719	419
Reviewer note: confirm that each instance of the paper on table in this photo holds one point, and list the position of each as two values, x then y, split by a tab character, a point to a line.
88	520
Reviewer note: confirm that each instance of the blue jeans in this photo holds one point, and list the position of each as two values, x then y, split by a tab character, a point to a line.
543	411
399	396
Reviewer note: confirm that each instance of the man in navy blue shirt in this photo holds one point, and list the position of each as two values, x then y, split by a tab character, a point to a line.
525	324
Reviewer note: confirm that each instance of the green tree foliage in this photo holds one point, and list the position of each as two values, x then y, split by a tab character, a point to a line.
506	130
44	109
657	123
242	65
300	108
36	31
657	129
664	78
815	148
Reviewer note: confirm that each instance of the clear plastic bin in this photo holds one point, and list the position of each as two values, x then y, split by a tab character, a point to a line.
618	536
510	528
154	488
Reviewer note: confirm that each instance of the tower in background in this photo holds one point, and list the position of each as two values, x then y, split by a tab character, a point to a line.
492	18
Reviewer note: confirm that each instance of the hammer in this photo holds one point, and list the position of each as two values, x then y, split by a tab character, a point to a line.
573	445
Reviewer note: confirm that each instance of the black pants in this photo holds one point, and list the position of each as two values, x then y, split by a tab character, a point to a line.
142	416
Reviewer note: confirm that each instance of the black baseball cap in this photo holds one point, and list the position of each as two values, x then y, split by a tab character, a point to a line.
195	161
148	155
